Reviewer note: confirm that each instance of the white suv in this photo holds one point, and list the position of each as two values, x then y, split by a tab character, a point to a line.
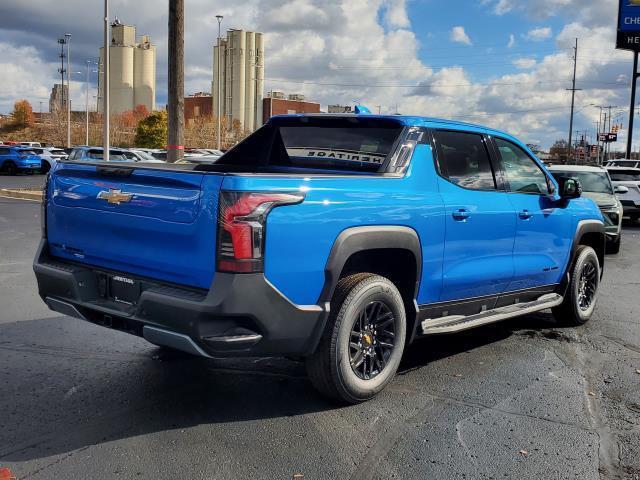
627	183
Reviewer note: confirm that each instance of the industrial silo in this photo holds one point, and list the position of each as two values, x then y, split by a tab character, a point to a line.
121	78
250	81
144	74
259	72
237	48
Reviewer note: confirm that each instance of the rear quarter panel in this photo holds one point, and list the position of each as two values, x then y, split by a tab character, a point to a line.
299	238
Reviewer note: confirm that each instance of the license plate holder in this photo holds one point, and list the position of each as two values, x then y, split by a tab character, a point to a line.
124	289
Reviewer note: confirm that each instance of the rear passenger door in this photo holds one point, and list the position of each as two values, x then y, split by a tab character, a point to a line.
480	220
543	233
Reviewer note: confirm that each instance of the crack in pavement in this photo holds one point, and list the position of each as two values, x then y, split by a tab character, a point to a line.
369	463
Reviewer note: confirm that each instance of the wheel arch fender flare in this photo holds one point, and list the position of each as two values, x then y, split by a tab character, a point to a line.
588	227
358	239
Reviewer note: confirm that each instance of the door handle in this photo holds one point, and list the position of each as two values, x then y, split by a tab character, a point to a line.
525	214
461	214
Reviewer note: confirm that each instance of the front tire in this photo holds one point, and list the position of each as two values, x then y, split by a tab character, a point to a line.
363	341
580	300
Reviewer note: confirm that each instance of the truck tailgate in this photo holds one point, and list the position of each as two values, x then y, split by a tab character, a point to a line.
159	224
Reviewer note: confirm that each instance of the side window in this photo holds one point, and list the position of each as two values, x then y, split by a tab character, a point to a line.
523	173
463	159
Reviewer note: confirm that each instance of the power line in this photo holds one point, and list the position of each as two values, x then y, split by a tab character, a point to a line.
428	85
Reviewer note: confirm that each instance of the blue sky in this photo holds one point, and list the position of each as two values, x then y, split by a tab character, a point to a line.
503	63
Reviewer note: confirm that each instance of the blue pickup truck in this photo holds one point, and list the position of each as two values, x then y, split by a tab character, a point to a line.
336	239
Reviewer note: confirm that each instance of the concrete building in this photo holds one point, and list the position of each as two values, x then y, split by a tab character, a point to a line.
196	106
132	70
241	76
275	103
58	98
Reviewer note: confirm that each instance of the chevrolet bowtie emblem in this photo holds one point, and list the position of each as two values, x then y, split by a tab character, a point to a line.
115	197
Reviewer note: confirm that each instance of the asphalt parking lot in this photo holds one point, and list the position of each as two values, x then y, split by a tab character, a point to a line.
521	399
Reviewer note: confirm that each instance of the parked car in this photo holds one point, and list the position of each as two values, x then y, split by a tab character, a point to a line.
626	182
200	160
334	238
141	156
623	162
18	159
49	156
596	185
31	144
85	153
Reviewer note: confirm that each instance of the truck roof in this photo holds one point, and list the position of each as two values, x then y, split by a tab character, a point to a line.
407	120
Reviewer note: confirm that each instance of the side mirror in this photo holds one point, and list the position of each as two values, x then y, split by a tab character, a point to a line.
621	189
569	187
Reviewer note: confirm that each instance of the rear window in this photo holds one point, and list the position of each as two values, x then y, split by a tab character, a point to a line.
340	144
625	175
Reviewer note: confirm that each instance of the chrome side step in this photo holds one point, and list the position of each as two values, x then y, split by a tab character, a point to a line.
458	323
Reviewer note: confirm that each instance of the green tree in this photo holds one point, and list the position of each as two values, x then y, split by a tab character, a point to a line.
22	114
152	131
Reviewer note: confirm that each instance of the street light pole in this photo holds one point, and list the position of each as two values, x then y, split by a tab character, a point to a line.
105	85
67	36
218	123
86	106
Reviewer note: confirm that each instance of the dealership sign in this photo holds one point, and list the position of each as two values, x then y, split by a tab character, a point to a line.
608	137
629	25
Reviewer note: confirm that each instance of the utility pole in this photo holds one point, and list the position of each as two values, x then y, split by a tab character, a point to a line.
62	41
105	85
379	107
175	148
86	106
67	36
219	100
573	90
634	78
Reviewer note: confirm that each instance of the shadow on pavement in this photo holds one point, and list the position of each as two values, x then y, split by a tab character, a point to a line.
63	398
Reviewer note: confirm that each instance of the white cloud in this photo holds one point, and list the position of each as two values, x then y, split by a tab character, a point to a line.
525	63
459	35
396	14
512	41
538	34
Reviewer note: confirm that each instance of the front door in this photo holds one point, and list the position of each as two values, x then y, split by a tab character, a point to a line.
480	220
543	232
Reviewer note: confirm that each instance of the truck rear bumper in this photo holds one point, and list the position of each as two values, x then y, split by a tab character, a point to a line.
240	315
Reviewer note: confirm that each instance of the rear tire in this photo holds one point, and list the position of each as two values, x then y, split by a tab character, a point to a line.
580	299
614	247
10	168
360	350
45	167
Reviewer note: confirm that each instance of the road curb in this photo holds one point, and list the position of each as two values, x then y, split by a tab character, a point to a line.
21	193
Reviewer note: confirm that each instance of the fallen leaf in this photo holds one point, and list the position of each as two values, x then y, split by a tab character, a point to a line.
592	394
524	452
457	375
638	371
296	476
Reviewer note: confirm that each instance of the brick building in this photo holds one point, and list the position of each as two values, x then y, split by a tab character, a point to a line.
275	103
197	105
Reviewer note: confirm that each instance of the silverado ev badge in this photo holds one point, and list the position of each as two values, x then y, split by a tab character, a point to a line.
115	197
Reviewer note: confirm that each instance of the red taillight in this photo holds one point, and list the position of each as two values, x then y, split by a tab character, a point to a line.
241	223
